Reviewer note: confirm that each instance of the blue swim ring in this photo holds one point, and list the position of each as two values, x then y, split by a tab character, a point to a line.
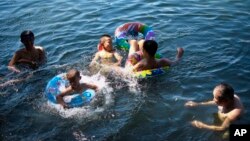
58	83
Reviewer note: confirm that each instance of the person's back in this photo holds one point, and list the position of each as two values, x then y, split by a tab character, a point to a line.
149	62
31	55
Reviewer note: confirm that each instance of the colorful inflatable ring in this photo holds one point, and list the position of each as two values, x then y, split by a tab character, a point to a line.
151	72
58	83
133	29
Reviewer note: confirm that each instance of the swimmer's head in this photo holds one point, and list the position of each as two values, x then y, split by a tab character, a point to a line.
27	37
150	47
106	42
223	93
74	77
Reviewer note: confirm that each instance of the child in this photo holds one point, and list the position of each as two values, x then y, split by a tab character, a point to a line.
107	55
75	86
30	55
142	56
229	105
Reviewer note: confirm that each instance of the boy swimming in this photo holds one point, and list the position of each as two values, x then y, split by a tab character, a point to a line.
31	55
106	54
142	56
74	78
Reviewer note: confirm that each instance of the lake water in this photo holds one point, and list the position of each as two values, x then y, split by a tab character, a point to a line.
215	35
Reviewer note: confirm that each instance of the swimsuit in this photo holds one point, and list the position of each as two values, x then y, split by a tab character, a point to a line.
134	58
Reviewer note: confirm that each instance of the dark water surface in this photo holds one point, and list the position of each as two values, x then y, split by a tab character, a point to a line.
215	35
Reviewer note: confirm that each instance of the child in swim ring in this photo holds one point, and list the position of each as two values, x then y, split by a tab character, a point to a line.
74	78
31	55
229	105
106	54
142	56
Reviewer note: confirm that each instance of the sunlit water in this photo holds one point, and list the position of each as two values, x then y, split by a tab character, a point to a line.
214	34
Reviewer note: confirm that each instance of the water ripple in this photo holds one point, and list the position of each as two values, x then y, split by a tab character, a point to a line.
214	34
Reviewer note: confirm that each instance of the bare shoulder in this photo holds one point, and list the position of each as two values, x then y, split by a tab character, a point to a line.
39	48
20	51
238	103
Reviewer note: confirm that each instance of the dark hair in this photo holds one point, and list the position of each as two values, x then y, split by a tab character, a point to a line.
72	74
150	46
227	92
106	35
27	35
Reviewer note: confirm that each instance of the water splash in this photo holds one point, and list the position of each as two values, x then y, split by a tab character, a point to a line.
104	93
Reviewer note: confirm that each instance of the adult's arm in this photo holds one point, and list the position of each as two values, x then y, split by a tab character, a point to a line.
13	61
194	104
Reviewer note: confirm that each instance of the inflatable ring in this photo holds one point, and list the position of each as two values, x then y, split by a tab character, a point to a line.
58	83
151	72
133	29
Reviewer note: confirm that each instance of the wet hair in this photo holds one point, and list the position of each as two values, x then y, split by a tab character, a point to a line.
27	34
105	35
72	74
150	46
227	92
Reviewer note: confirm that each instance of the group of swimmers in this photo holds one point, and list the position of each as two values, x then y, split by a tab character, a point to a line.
140	57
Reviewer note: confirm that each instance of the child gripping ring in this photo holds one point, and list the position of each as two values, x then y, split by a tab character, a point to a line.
58	83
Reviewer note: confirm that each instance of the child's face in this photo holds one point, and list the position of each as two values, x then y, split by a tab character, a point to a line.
107	43
74	82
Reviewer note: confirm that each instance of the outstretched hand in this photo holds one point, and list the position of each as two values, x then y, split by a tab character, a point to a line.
191	104
197	124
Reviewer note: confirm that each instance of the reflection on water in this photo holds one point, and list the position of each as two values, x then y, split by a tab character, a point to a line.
215	37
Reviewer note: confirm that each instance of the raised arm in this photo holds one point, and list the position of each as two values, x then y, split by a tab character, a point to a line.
167	62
